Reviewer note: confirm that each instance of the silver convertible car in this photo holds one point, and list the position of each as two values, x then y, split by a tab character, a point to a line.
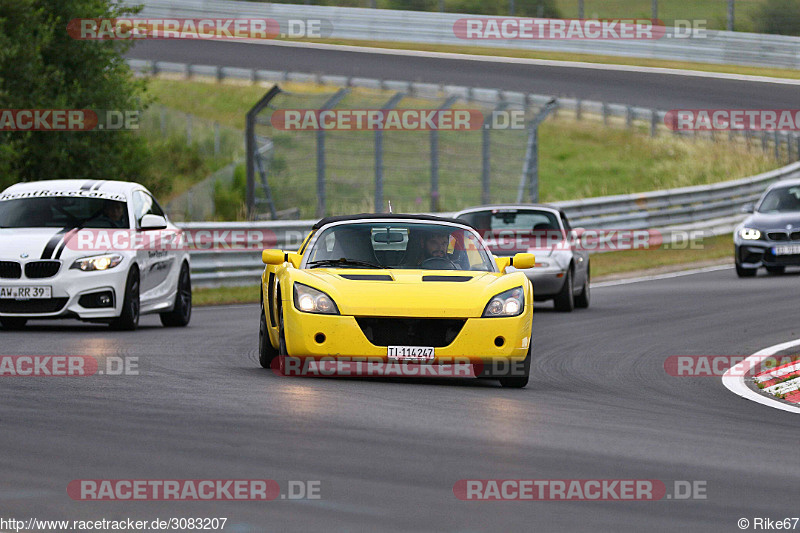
561	272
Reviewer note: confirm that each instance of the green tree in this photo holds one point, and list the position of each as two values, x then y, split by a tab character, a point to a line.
42	67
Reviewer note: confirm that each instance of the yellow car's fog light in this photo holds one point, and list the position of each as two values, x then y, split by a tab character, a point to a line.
310	300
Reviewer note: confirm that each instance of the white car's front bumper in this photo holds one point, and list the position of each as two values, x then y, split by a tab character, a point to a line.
68	287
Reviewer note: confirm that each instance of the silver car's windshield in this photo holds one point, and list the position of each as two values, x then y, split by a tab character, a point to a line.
781	200
63	211
398	245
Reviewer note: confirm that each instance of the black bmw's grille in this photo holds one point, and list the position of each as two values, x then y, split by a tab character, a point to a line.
436	332
783	236
778	236
42	269
50	305
10	270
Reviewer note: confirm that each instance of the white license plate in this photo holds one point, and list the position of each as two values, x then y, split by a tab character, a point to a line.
410	353
26	293
792	249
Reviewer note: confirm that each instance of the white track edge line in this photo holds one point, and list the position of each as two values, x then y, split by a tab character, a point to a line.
656	277
736	384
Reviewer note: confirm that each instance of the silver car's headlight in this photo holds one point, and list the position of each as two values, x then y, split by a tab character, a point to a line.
508	303
311	300
97	262
749	234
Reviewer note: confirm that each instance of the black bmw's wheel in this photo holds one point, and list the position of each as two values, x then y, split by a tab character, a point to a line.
128	320
266	352
182	310
13	322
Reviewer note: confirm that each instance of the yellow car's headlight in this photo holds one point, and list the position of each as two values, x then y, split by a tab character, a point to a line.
508	303
97	262
310	300
749	234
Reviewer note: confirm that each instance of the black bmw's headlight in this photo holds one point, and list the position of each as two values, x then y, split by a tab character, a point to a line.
310	300
508	303
750	234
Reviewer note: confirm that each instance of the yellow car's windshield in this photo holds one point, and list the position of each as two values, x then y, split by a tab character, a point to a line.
398	244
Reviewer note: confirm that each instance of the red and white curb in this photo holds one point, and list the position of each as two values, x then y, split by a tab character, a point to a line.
736	383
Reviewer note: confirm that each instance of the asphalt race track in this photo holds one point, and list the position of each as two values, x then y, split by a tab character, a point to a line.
662	91
388	452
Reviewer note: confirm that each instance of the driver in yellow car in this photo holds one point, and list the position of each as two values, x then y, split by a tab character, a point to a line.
435	245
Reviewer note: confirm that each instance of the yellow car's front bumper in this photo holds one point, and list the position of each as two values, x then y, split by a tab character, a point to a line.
479	340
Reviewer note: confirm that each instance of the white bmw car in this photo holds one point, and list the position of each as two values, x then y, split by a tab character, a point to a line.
98	251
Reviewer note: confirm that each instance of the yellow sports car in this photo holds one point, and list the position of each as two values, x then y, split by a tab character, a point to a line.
382	291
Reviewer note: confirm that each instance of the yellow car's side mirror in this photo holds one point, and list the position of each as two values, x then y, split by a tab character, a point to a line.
294	258
273	257
523	261
502	263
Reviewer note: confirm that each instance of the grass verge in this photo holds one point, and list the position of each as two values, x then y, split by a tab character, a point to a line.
605	264
578	159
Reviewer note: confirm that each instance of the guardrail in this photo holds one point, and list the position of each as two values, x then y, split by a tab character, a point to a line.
709	206
722	47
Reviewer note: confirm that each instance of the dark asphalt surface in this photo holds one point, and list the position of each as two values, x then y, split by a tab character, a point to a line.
388	452
662	91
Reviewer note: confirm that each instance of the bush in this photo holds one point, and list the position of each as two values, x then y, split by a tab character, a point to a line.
778	16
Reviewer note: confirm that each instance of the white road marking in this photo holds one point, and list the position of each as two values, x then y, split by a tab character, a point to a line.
736	384
655	277
525	61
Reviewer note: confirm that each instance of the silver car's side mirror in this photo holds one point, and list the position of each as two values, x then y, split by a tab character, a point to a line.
748	207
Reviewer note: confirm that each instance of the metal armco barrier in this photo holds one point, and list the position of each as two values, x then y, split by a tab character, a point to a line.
688	207
734	48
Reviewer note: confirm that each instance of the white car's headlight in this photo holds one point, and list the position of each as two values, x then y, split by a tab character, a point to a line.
749	234
310	300
508	303
97	262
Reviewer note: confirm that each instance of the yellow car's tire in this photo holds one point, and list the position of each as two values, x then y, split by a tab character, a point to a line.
266	352
282	352
518	382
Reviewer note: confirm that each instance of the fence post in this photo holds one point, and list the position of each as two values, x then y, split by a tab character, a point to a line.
250	148
486	154
321	200
777	139
435	158
578	104
605	114
629	117
764	141
390	104
530	171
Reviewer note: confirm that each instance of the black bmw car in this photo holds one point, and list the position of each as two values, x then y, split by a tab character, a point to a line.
770	236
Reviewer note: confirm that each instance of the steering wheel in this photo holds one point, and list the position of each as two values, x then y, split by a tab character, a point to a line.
438	263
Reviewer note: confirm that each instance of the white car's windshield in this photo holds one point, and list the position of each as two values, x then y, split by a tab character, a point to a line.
63	211
398	245
781	200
